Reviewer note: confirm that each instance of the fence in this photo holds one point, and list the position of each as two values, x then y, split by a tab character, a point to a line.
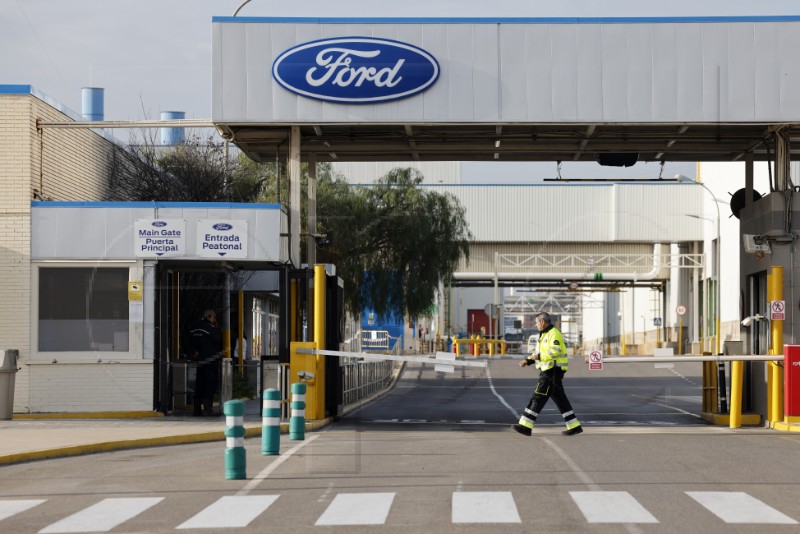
375	340
362	379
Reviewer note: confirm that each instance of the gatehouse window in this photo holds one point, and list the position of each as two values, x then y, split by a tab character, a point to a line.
83	309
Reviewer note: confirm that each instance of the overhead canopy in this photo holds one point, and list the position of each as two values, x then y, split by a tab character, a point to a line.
673	89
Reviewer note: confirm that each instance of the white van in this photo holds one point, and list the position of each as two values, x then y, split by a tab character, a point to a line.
533	344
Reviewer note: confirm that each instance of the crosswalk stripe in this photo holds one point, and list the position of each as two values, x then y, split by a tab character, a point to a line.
9	508
230	512
484	507
739	507
102	516
611	507
357	509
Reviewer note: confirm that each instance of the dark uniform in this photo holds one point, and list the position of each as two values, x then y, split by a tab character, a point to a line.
205	346
552	364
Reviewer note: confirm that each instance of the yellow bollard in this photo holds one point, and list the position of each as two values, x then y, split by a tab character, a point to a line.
775	372
736	394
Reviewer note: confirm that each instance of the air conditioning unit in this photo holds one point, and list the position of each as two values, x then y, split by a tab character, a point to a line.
754	244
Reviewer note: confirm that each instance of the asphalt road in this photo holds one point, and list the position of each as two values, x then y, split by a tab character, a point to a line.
436	454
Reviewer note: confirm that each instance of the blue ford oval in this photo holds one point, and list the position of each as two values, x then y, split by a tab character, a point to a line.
159	224
355	70
222	226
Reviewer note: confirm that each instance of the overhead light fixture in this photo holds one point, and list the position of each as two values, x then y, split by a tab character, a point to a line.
497	144
496	155
333	156
318	131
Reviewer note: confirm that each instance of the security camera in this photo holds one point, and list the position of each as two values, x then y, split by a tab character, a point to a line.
305	375
747	321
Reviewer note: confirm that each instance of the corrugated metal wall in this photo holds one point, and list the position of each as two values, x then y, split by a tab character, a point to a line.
435	172
636	212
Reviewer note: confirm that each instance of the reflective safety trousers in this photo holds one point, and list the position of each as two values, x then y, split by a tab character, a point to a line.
552	351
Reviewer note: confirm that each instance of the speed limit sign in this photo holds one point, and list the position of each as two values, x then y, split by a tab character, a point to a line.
681	310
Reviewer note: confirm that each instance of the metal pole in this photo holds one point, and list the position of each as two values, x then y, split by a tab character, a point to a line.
775	376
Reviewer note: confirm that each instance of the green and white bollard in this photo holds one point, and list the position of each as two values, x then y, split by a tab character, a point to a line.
235	456
297	422
271	423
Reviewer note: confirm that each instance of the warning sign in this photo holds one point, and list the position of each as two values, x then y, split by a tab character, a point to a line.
595	360
777	310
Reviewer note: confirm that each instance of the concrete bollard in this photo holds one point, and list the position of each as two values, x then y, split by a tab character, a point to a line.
271	423
235	456
297	422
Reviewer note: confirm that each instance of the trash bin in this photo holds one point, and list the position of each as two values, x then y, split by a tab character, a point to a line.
8	372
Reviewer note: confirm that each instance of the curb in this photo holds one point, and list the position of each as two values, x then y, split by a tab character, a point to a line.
108	446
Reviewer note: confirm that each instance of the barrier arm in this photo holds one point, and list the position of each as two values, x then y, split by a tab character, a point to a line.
441	358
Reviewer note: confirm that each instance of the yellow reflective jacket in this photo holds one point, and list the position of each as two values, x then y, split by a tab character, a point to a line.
552	351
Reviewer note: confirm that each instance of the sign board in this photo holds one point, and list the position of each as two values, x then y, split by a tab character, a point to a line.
134	290
681	310
218	238
159	238
596	360
777	310
656	321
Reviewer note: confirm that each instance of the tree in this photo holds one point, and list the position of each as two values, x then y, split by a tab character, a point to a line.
393	242
195	171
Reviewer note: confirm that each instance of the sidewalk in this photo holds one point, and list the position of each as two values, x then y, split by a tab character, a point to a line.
24	439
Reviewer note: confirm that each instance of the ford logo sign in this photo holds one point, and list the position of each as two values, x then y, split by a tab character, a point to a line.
159	224
355	70
222	226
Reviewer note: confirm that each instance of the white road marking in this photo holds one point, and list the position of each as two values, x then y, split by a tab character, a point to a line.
273	466
357	509
9	508
739	507
484	507
230	512
611	507
496	394
103	516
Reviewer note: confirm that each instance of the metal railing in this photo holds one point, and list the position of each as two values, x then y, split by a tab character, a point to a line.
362	379
375	340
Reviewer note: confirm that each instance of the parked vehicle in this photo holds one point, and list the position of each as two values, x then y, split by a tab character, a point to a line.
533	344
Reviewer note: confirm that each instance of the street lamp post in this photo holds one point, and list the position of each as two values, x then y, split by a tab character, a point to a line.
717	256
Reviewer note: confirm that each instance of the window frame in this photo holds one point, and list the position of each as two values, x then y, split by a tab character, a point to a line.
135	317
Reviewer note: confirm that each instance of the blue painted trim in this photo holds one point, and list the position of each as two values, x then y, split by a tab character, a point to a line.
164	205
509	20
15	89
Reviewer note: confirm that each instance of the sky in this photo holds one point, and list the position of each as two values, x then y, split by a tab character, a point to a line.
155	55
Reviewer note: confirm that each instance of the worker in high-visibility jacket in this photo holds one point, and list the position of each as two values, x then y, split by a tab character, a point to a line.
552	364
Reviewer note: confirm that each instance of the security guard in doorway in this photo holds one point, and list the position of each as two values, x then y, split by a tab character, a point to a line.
552	364
205	346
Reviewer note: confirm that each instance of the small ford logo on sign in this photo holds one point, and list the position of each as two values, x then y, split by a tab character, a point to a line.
222	226
159	224
355	70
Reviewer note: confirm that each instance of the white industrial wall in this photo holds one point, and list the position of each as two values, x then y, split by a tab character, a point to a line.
366	172
569	213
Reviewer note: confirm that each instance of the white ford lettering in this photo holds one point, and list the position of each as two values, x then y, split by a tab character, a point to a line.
333	59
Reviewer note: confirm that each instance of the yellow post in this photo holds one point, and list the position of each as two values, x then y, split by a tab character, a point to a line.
319	338
775	372
736	394
680	335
